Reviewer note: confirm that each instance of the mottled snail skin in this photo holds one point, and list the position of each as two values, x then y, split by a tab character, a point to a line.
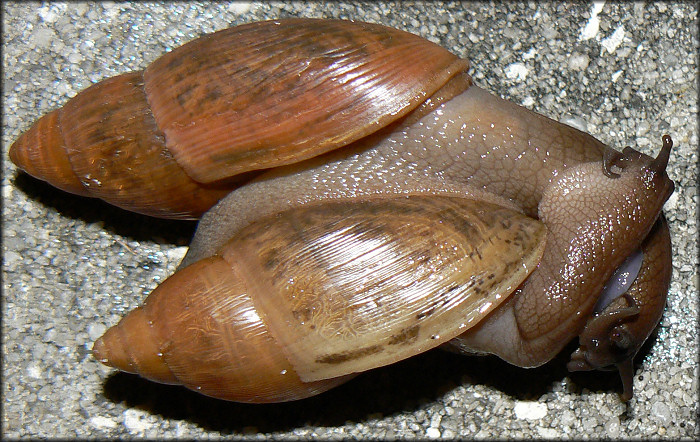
289	285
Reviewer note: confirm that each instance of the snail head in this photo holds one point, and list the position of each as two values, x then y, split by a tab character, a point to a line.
633	299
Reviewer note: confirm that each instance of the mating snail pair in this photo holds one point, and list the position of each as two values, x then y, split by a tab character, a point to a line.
362	201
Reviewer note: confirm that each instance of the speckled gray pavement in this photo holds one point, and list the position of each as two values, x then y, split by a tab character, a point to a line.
626	73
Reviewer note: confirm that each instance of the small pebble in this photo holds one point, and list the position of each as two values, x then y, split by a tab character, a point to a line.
530	410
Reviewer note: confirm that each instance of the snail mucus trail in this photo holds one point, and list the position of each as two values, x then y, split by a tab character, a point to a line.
361	201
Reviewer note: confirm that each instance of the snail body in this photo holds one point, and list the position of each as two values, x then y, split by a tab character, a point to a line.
444	217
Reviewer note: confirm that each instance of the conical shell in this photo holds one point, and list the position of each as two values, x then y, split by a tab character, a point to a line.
105	143
298	301
198	122
41	153
200	329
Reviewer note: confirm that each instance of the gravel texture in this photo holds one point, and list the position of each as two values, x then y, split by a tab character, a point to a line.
626	73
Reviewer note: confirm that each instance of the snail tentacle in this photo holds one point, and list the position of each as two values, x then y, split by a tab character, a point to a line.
611	158
661	161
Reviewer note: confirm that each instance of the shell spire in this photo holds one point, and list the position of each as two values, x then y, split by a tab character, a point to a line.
199	329
133	348
41	153
105	143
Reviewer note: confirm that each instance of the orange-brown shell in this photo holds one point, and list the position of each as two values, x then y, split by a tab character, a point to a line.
196	330
172	140
300	301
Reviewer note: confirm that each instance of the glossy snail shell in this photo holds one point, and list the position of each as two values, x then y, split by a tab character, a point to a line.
172	140
382	205
296	302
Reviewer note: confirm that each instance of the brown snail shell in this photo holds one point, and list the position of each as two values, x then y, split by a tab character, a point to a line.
172	140
407	165
317	293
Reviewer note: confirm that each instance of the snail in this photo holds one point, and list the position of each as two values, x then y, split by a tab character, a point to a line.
361	201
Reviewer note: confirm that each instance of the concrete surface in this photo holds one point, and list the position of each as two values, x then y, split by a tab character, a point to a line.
627	73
